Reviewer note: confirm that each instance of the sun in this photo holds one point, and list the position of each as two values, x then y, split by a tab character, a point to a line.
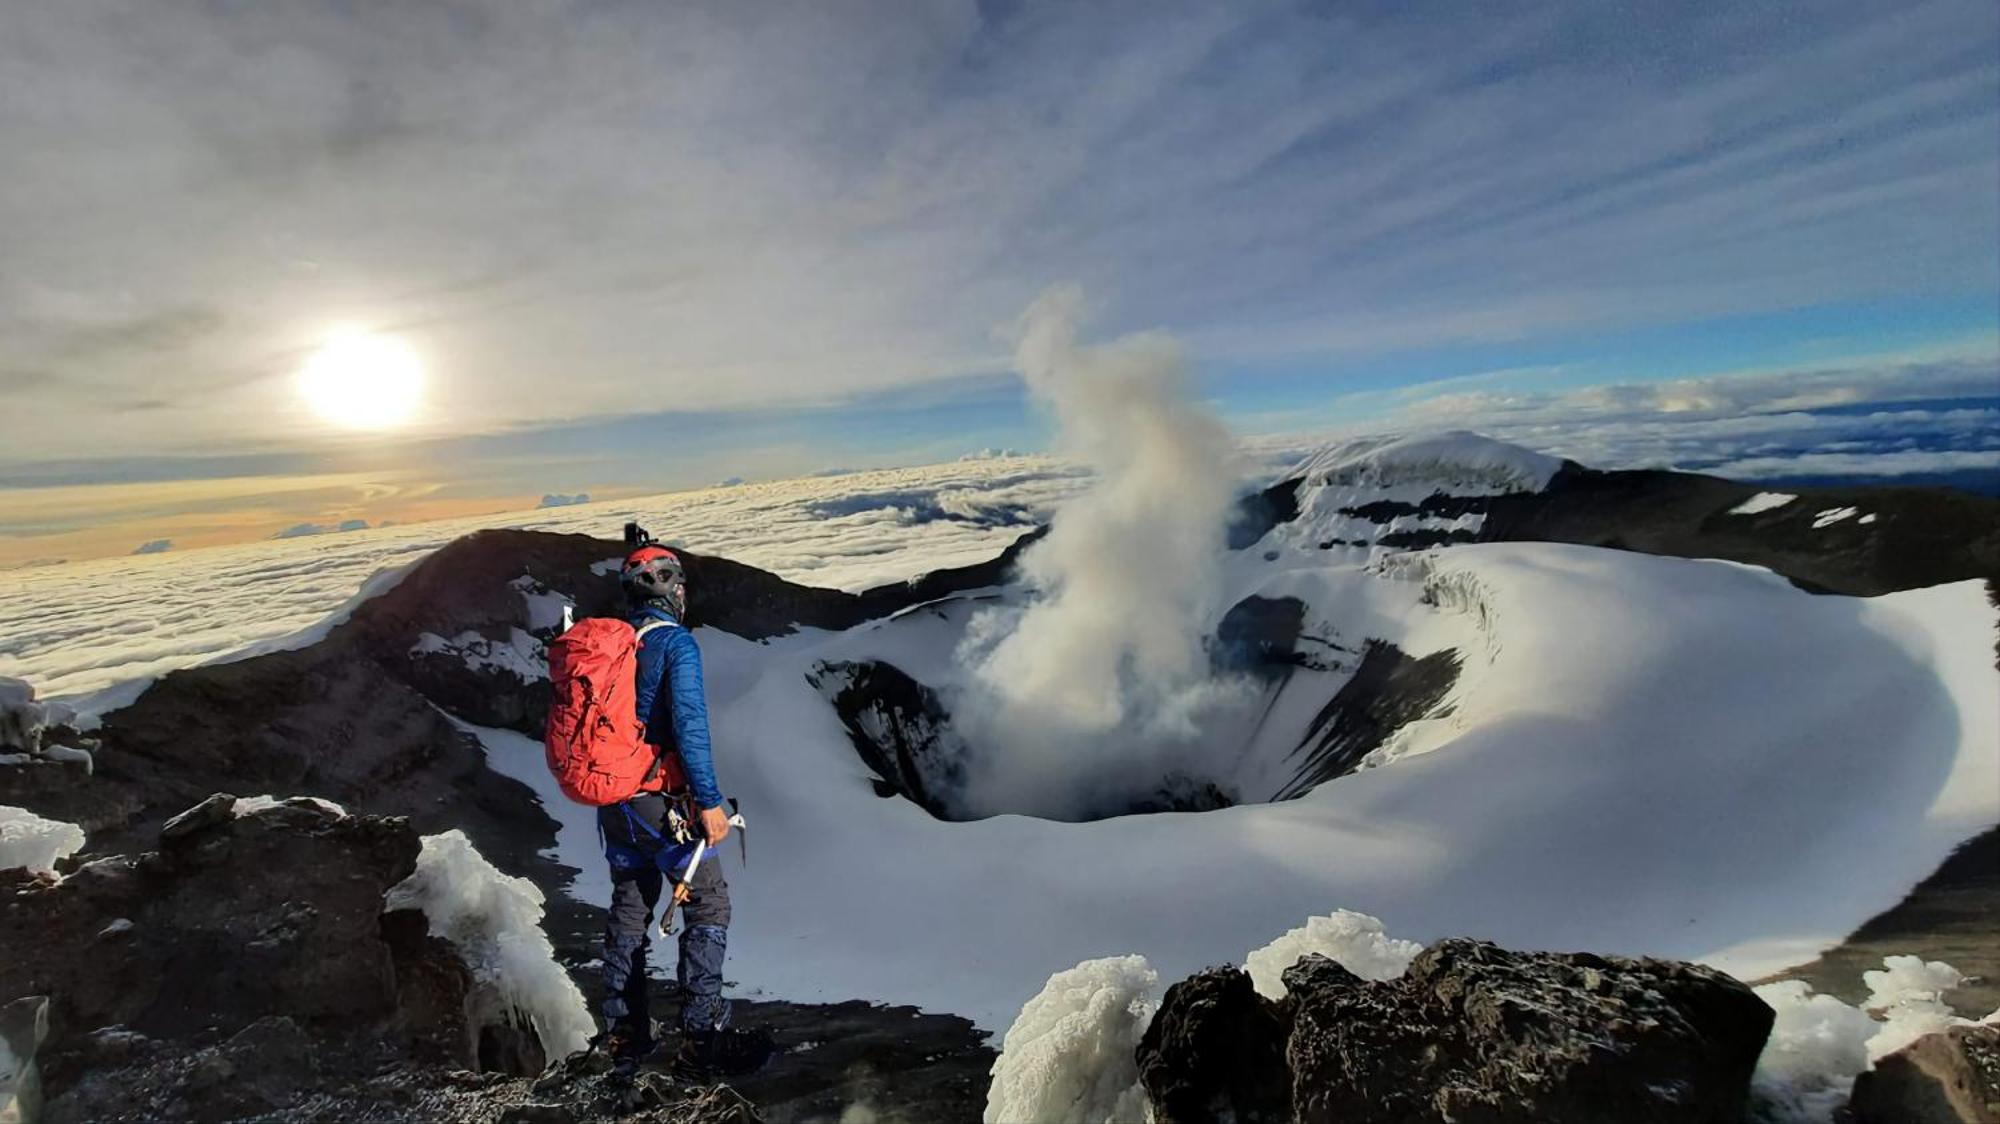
362	380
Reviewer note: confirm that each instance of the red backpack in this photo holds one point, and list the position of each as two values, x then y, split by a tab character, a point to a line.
595	743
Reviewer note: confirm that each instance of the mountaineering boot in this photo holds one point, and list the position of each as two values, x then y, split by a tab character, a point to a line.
706	1055
629	1046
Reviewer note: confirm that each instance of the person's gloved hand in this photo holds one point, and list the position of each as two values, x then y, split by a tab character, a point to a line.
715	825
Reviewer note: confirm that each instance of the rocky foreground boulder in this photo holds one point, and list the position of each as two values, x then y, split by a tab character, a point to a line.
1952	1077
247	968
244	930
235	916
1471	1033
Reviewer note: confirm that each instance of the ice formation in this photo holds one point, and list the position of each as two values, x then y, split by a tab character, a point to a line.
1070	1053
1819	1044
1356	940
28	840
496	922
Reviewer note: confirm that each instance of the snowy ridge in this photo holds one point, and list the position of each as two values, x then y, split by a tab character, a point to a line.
1458	593
1455	589
1456	462
1364	495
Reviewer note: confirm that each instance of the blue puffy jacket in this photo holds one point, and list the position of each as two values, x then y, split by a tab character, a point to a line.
676	717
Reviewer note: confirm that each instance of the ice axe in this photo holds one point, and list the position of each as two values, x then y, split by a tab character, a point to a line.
681	884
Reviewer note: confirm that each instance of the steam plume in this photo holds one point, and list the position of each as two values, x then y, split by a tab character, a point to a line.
1126	581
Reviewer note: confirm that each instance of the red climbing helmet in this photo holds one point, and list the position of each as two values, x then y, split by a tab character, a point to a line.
654	572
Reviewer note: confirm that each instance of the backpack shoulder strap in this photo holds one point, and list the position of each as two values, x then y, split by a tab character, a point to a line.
659	753
640	632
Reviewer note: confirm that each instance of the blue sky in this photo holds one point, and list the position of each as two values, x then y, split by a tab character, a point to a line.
639	246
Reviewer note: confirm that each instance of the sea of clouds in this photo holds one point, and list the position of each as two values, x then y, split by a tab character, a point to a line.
82	627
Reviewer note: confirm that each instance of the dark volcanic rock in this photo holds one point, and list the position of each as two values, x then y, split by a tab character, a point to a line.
1918	537
45	762
901	730
59	790
432	985
1257	514
264	1066
1260	636
321	721
234	917
1471	1034
1947	1078
511	1046
1179	792
468	585
1216	1051
1474	1033
939	584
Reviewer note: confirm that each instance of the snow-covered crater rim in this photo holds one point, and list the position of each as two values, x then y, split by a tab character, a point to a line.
1455	461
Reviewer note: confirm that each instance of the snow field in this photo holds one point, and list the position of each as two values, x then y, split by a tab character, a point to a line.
1455	462
1766	771
1762	502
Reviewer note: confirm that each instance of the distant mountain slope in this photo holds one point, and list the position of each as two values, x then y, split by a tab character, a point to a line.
354	716
1858	541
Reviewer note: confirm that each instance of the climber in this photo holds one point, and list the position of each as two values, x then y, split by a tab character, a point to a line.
677	803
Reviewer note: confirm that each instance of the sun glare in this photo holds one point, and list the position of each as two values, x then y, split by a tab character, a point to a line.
363	381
